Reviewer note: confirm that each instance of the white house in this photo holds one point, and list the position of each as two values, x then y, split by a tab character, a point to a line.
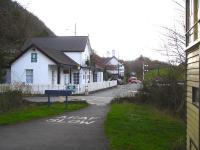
114	66
55	60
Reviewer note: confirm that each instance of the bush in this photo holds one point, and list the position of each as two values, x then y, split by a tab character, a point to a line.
10	99
179	144
169	96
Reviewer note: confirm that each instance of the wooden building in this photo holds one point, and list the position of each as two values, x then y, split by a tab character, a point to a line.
192	55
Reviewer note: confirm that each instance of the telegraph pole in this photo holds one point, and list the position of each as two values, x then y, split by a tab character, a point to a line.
118	65
143	70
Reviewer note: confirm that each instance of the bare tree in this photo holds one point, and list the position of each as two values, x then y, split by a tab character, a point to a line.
173	37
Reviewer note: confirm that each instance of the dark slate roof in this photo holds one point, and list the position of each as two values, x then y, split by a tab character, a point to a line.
56	56
54	47
59	43
59	57
107	59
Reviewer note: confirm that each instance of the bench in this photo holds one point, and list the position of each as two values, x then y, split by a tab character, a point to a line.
57	93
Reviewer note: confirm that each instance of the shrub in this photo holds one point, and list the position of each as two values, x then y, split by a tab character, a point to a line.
179	144
169	96
10	99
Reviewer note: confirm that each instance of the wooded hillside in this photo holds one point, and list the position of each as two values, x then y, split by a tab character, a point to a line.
136	66
16	25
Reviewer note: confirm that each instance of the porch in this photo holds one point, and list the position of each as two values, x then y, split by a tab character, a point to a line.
65	75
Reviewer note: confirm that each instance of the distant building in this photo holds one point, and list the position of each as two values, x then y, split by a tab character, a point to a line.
114	67
192	55
110	65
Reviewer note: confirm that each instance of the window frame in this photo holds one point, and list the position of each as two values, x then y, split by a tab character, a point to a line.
29	77
95	77
195	96
33	57
76	79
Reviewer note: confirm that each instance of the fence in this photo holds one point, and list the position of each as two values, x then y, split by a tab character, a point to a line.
95	86
40	89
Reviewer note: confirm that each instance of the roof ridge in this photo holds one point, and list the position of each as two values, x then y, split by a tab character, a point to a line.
54	37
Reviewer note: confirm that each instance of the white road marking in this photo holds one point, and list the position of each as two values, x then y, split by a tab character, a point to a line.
73	120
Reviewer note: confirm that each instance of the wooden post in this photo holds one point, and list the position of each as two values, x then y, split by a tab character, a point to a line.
70	75
49	103
58	77
66	101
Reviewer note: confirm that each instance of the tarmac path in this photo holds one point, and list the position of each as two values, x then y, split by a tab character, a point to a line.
79	130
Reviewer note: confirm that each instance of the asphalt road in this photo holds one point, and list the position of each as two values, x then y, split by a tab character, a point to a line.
99	98
80	130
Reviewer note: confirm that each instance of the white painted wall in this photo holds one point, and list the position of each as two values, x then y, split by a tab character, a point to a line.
115	62
76	56
63	76
80	57
85	76
40	68
86	54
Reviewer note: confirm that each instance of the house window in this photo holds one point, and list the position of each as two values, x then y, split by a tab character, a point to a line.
76	78
95	77
195	95
29	76
33	57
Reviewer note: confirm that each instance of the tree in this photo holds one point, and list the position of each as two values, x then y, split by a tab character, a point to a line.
174	38
2	66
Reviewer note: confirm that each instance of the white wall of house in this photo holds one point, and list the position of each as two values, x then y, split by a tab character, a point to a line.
86	54
85	76
40	68
115	62
80	57
64	77
76	56
100	77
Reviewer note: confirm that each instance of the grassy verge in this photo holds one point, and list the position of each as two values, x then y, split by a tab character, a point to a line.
138	127
34	111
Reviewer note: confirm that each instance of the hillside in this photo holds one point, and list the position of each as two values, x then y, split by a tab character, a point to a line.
16	25
136	65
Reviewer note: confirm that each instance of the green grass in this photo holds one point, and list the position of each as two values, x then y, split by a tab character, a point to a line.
35	111
139	127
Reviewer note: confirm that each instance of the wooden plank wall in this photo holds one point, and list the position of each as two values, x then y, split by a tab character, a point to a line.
192	110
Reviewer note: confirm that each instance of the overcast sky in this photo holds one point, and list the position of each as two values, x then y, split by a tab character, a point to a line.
130	27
